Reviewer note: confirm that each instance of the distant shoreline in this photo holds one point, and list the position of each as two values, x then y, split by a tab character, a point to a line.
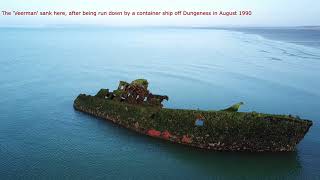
304	35
301	35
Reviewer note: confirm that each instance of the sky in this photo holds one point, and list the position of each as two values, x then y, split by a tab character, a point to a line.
265	12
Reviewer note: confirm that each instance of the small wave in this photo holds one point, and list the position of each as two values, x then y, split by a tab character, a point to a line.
275	59
264	51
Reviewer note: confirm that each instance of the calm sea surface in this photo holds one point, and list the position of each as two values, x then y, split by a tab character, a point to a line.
42	70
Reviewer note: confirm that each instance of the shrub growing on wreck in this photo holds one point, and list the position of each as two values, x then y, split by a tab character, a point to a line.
141	82
103	93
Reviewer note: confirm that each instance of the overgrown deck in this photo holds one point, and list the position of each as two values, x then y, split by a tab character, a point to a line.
222	130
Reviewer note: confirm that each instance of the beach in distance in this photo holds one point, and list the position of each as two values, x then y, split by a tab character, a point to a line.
43	69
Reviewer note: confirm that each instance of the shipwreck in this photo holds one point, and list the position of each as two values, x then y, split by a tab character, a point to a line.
132	106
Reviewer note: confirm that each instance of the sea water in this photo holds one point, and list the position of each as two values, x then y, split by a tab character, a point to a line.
42	70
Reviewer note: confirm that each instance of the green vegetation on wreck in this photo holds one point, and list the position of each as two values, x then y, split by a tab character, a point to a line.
222	130
234	108
135	92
